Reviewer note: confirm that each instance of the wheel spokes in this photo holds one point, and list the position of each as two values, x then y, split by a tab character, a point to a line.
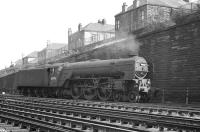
89	93
117	96
104	94
132	97
76	92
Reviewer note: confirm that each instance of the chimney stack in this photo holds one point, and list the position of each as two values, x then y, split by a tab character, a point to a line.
124	7
69	31
79	27
103	21
135	4
99	21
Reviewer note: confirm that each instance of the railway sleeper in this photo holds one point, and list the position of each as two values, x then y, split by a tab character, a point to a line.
74	124
20	125
99	118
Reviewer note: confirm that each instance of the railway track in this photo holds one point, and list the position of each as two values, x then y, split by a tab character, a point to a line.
4	127
102	113
62	120
55	121
170	110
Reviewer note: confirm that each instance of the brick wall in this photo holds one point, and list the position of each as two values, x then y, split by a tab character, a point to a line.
76	40
175	55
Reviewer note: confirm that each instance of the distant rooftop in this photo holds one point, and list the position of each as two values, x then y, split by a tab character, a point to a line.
56	45
32	55
99	27
169	3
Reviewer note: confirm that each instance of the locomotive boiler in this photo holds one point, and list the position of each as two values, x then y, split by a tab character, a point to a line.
124	79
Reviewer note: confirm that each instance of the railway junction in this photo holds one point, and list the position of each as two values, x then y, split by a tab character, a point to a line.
49	114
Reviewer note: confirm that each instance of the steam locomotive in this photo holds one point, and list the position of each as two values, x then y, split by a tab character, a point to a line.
115	79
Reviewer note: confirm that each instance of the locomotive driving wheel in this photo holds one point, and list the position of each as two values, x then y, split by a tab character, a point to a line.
104	90
104	94
89	92
76	91
65	93
117	96
132	97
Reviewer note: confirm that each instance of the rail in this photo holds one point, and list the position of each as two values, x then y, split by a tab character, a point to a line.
131	116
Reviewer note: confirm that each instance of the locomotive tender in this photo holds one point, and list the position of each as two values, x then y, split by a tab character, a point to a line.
116	79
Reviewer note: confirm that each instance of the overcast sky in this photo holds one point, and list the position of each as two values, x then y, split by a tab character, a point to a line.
26	25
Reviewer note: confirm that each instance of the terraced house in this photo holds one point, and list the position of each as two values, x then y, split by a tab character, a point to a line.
91	33
143	13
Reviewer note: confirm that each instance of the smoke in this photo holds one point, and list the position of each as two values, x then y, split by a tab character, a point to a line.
128	43
131	45
120	48
110	43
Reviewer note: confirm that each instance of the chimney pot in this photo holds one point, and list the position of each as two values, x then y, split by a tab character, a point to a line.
99	21
124	7
103	21
79	27
69	31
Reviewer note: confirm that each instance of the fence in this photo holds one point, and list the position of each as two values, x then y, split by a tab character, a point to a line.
184	96
178	15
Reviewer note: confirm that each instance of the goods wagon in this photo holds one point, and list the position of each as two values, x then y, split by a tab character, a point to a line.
7	83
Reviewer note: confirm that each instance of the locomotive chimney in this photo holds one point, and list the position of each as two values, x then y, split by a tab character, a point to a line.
124	7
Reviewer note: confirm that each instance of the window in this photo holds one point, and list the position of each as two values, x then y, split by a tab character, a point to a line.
105	36
94	37
117	25
142	15
79	43
138	3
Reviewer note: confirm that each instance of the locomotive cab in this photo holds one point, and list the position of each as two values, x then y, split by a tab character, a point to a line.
53	74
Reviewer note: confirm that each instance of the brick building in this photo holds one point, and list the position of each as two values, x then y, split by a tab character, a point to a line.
91	33
30	58
143	13
52	50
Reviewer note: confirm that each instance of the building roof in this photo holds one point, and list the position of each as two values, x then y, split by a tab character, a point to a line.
32	55
18	62
169	3
55	45
99	27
